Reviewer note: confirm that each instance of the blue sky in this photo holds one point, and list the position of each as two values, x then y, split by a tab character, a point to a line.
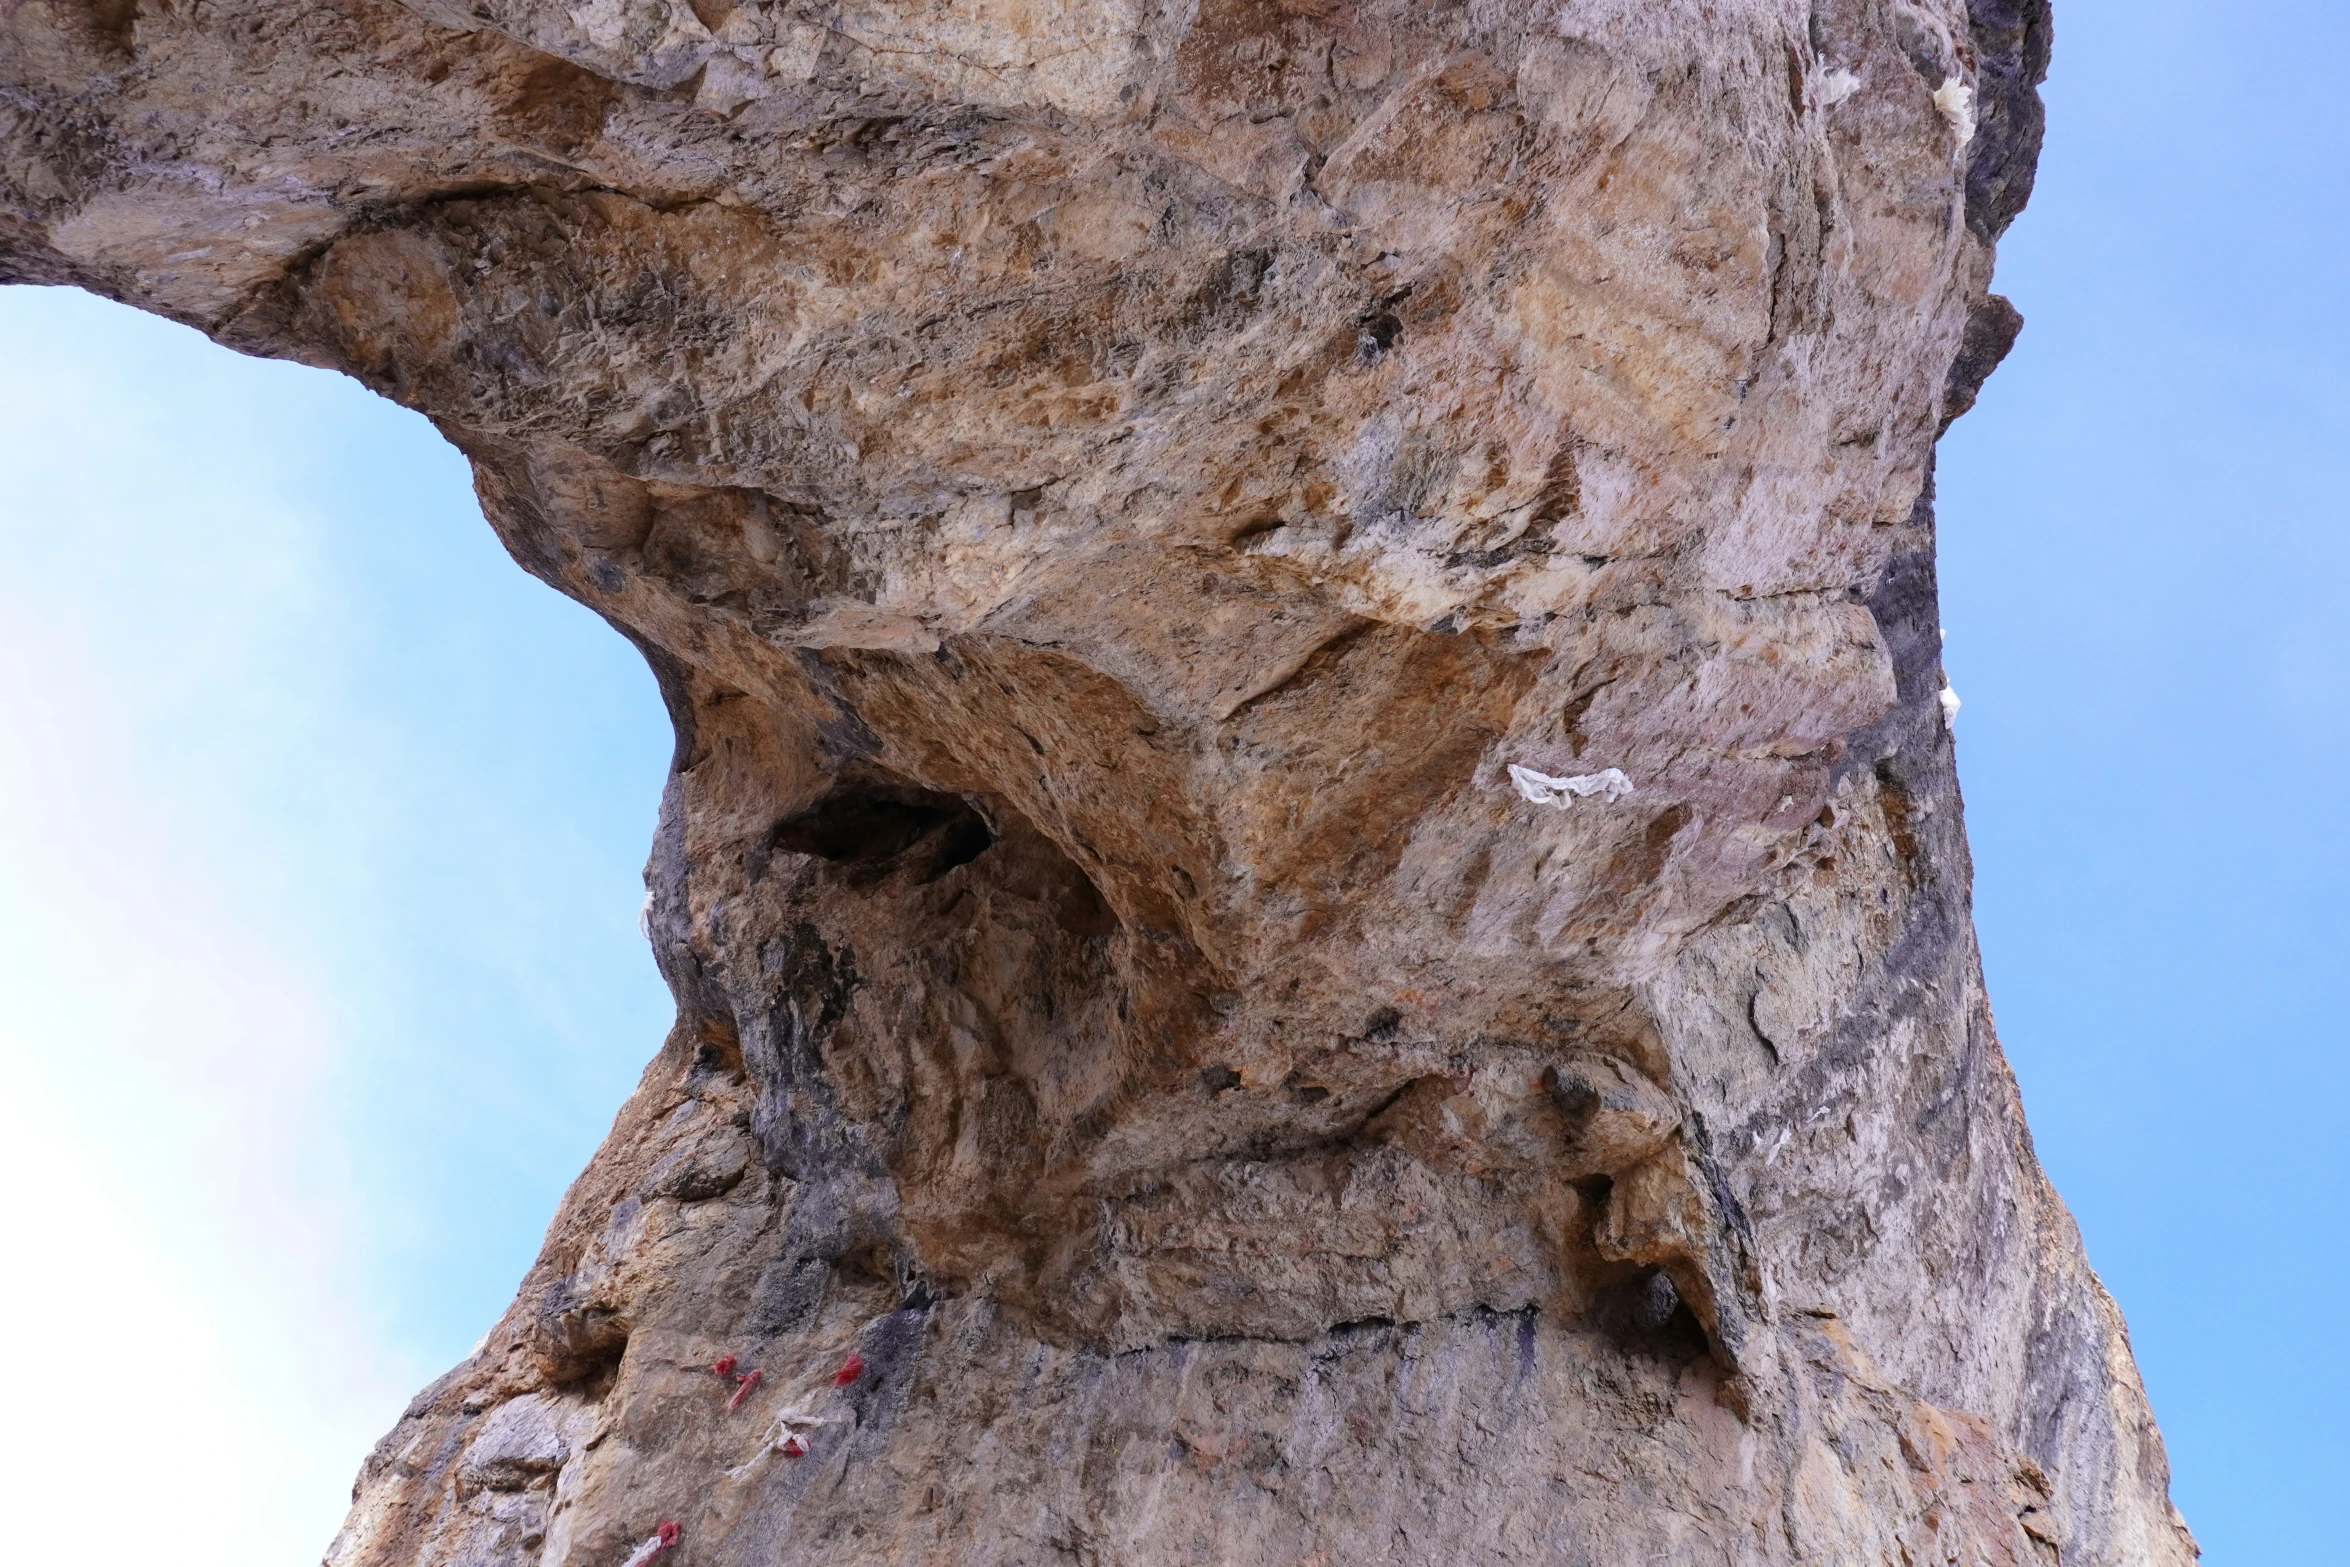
319	975
318	969
2146	584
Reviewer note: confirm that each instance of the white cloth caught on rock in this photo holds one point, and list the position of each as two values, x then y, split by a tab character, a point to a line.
1543	789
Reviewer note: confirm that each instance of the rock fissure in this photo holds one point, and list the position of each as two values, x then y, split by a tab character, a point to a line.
1313	871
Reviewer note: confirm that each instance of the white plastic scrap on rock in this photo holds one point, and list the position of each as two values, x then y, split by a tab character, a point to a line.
792	1422
663	1538
1956	100
1542	789
788	1435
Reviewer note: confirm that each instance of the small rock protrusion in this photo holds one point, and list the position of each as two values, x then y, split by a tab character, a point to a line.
574	1335
1615	1116
520	1444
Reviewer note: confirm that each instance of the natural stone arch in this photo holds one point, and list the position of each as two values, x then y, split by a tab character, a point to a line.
1313	873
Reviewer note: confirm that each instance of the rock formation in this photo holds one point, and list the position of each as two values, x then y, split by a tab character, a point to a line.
1313	875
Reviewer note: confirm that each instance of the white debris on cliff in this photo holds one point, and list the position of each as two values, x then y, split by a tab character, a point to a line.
1609	783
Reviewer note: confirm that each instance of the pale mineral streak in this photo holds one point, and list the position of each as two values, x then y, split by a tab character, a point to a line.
1107	487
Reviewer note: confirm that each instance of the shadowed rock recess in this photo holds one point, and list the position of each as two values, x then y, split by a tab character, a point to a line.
1111	489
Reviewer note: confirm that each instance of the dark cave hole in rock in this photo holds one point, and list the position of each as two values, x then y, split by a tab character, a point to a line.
1646	1313
577	1341
718	1047
1303	1092
873	826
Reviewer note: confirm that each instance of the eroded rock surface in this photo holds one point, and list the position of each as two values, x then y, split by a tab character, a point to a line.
1111	489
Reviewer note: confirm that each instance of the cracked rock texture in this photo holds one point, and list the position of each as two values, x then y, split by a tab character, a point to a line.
1109	489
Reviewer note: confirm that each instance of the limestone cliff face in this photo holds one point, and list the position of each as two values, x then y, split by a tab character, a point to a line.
1313	877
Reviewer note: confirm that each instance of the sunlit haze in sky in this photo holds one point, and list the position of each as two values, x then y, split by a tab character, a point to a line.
318	965
321	828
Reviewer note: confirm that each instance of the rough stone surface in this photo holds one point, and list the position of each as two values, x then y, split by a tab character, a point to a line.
1109	488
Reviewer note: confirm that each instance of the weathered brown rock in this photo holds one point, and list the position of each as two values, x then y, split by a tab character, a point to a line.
1111	488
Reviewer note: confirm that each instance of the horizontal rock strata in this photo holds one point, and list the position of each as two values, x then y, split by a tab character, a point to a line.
1313	874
